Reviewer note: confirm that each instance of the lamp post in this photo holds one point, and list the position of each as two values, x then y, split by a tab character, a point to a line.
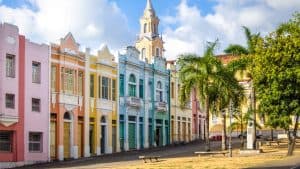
224	142
230	122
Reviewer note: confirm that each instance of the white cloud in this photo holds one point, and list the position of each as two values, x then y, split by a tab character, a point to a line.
188	30
92	22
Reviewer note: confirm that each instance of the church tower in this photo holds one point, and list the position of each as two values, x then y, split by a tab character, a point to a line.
149	43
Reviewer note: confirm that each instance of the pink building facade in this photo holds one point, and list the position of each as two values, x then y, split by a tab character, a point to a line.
24	99
198	118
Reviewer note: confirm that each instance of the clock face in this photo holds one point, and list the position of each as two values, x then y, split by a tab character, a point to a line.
10	40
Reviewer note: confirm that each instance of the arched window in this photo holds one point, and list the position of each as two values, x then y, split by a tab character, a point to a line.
67	116
159	92
143	54
157	52
154	28
132	86
145	28
103	119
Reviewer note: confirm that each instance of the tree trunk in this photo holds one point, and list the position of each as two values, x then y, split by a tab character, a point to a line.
242	133
224	140
207	142
272	134
292	138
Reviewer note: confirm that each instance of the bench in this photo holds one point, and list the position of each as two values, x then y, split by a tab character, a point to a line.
145	158
211	153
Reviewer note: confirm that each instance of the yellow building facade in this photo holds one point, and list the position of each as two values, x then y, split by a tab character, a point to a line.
181	117
103	89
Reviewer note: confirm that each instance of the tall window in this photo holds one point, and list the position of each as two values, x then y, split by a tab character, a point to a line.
141	88
10	65
122	85
92	80
5	141
109	88
172	89
159	93
114	90
105	88
35	142
132	86
36	72
53	78
80	83
68	80
157	52
10	101
145	28
36	105
99	87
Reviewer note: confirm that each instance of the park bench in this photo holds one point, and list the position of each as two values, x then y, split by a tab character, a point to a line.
211	153
150	158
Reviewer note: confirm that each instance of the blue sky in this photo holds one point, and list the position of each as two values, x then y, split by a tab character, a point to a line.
186	25
134	9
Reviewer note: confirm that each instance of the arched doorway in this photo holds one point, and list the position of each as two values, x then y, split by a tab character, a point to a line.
67	134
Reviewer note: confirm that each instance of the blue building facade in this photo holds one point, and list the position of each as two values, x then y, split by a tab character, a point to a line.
144	115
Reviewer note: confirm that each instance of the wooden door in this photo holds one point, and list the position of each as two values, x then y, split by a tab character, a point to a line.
184	131
80	128
131	135
67	135
114	139
53	140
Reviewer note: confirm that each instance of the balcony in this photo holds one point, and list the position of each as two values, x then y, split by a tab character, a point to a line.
104	104
133	101
69	100
161	106
8	120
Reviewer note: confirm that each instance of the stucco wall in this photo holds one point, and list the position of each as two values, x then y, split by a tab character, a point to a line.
37	121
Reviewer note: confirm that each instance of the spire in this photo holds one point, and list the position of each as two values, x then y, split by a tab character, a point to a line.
149	5
149	9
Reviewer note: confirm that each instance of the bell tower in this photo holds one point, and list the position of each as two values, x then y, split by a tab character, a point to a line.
149	42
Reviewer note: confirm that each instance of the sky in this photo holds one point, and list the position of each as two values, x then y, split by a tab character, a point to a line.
186	25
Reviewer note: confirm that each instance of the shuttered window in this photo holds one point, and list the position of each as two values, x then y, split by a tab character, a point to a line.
5	141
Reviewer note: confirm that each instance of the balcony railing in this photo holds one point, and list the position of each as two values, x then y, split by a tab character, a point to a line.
105	104
133	101
161	106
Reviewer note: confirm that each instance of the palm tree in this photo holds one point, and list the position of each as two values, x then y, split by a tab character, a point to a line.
245	64
215	84
228	89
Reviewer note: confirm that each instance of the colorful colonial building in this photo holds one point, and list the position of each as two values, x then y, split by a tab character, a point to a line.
103	127
69	104
144	89
24	99
181	117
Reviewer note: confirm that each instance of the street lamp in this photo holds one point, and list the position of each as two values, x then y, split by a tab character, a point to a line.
224	142
230	122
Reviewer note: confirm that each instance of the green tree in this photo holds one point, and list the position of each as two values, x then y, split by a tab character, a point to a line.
277	77
214	83
245	64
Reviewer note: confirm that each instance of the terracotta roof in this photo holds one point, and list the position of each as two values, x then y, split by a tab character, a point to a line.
226	58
